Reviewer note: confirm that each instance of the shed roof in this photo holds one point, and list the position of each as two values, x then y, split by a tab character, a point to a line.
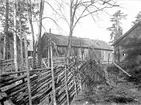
126	34
61	40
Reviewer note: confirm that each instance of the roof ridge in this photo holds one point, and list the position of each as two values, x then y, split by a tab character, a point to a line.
77	41
126	33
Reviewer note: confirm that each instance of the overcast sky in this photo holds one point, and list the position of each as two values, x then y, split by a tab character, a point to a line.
87	28
98	30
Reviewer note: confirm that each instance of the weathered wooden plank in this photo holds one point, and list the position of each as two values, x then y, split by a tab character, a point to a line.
43	94
33	70
12	81
52	69
61	95
42	82
20	85
121	69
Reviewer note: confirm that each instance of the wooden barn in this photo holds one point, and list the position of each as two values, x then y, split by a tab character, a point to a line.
128	46
83	48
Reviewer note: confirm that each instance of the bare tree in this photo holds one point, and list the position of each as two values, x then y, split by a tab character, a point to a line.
15	37
40	31
6	30
30	14
79	9
20	34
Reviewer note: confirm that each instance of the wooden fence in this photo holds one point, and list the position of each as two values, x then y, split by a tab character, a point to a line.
16	90
47	89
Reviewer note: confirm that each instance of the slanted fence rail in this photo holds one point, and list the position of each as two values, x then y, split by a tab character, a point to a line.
16	90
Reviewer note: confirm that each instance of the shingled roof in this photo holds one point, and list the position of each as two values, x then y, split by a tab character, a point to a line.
61	40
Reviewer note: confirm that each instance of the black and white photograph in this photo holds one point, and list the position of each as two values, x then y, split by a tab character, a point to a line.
70	52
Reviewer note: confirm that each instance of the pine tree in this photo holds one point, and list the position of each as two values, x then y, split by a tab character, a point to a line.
116	29
138	18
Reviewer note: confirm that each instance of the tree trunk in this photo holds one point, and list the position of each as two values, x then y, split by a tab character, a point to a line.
34	47
15	38
52	69
70	31
69	44
66	86
21	41
33	38
27	69
40	32
69	50
6	30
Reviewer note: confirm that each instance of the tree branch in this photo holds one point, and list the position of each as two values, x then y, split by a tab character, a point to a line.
63	17
95	11
52	7
54	22
81	15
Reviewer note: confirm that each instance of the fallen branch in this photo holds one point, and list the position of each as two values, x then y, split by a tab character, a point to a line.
121	69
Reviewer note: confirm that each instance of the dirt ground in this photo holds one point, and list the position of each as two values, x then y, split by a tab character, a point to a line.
115	96
82	102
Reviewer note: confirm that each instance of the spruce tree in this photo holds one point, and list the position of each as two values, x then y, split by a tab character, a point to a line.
116	29
137	18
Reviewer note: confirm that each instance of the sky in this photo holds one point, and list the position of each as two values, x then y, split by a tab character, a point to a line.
87	28
98	30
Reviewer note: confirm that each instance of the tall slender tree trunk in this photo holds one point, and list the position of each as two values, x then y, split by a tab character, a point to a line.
34	46
21	41
69	51
40	32
6	30
52	69
69	44
15	37
70	30
33	38
66	85
27	69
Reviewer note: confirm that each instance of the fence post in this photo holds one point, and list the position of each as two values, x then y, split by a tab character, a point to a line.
52	70
75	80
0	66
66	85
27	68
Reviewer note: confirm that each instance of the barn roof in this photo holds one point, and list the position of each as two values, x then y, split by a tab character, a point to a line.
61	40
127	33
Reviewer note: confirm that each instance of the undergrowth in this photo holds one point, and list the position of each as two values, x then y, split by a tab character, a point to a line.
124	89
